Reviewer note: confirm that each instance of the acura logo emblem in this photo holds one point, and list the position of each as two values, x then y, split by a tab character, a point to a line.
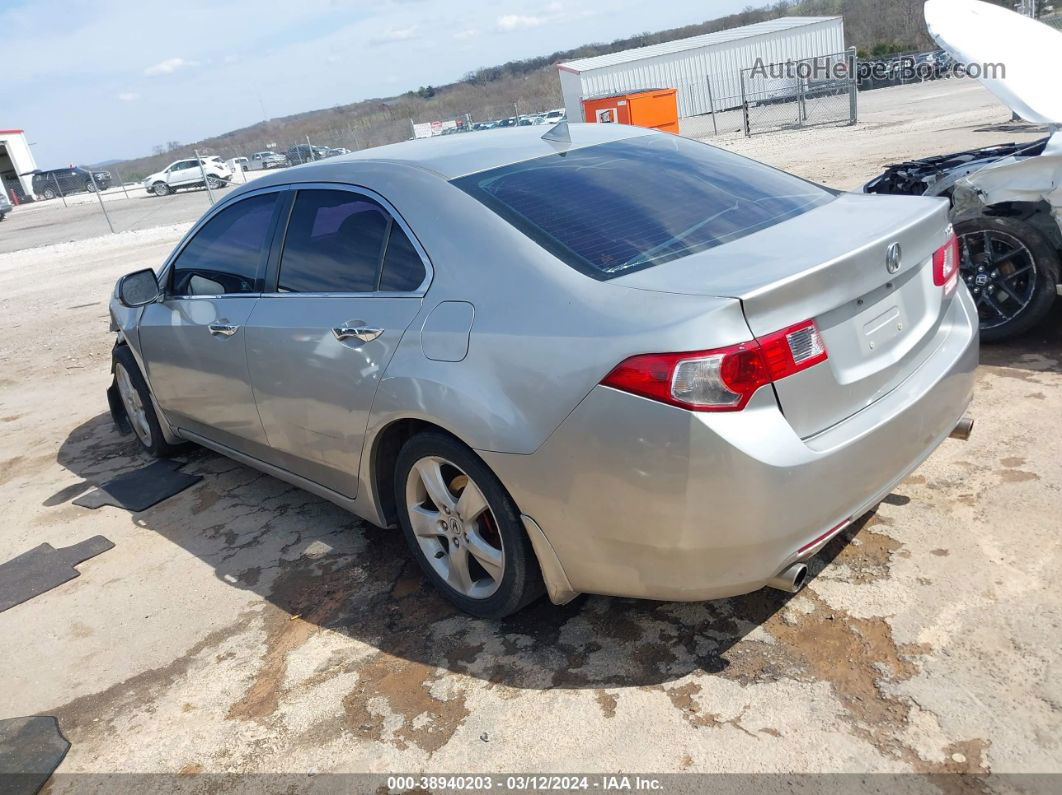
892	258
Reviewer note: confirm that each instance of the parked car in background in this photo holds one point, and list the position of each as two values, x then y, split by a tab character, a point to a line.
335	151
556	116
237	162
64	181
693	371
269	160
5	203
189	173
305	153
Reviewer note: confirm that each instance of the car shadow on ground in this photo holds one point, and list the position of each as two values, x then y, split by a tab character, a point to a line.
313	560
1039	350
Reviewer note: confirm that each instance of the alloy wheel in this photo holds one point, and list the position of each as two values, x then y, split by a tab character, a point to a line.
1001	273
455	527
134	406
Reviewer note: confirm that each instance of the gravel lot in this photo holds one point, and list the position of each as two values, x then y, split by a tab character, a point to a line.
245	625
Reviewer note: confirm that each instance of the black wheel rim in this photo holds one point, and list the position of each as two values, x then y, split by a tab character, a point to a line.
1001	273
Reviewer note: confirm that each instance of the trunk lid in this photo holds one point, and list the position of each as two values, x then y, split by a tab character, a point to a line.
830	265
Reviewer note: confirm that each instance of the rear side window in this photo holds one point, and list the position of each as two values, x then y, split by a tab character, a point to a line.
623	206
343	242
403	269
334	243
226	254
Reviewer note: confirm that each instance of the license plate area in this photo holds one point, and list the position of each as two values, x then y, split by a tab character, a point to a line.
882	329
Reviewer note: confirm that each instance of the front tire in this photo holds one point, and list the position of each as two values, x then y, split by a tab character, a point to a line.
90	186
214	183
139	408
48	193
161	189
463	527
1011	270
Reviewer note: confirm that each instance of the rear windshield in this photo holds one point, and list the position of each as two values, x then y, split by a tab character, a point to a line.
623	206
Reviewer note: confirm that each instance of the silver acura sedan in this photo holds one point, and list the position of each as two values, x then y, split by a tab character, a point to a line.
604	360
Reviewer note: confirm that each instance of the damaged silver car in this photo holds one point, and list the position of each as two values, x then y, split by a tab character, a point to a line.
1006	200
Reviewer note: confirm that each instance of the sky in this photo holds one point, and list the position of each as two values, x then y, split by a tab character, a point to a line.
95	80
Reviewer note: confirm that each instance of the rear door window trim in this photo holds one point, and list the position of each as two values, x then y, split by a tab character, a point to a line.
269	289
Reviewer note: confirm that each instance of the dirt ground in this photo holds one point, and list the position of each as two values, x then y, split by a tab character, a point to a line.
245	625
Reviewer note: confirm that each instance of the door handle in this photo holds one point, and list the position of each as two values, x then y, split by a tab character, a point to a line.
222	329
362	333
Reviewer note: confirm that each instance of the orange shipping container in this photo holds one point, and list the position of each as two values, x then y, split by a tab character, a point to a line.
654	108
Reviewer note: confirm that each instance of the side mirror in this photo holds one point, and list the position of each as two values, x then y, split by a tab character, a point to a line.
138	288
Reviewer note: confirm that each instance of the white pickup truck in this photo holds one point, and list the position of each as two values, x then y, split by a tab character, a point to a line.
262	160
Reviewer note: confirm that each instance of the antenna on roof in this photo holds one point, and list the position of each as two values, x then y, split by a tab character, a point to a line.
559	133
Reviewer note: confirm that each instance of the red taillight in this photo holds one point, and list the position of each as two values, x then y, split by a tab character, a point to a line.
946	263
723	379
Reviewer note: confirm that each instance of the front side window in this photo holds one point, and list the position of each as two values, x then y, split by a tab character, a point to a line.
343	242
619	207
227	253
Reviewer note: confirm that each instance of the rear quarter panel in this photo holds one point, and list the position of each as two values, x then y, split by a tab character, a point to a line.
543	334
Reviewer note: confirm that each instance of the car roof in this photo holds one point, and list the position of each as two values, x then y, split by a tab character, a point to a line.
452	156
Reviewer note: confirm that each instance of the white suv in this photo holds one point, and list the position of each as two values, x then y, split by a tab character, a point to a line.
189	174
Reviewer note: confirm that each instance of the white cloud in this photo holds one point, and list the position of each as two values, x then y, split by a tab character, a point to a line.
519	22
129	96
400	34
168	67
469	33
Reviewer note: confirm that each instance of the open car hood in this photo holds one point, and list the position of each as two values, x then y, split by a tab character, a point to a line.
974	32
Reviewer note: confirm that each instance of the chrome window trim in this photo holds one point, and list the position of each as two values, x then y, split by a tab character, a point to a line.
213	297
429	269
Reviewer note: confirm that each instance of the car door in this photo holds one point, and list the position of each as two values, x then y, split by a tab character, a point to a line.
173	173
347	285
181	173
194	339
70	181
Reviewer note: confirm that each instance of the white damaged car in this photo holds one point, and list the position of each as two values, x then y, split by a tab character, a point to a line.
1006	200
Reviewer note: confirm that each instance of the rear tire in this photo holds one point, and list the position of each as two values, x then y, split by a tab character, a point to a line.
463	527
161	189
139	408
1011	270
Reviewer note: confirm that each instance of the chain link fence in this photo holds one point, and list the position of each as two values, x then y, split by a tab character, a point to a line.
805	93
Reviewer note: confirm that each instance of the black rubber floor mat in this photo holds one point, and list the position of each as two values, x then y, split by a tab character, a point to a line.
140	489
44	567
30	751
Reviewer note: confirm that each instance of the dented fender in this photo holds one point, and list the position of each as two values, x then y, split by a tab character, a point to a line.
1030	180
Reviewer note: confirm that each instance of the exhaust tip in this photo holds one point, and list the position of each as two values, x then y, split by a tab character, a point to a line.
791	580
963	429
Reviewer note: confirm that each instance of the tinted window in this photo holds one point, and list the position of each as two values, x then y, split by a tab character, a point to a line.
403	269
334	243
626	205
224	256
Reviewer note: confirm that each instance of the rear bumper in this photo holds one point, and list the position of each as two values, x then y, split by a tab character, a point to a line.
641	499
